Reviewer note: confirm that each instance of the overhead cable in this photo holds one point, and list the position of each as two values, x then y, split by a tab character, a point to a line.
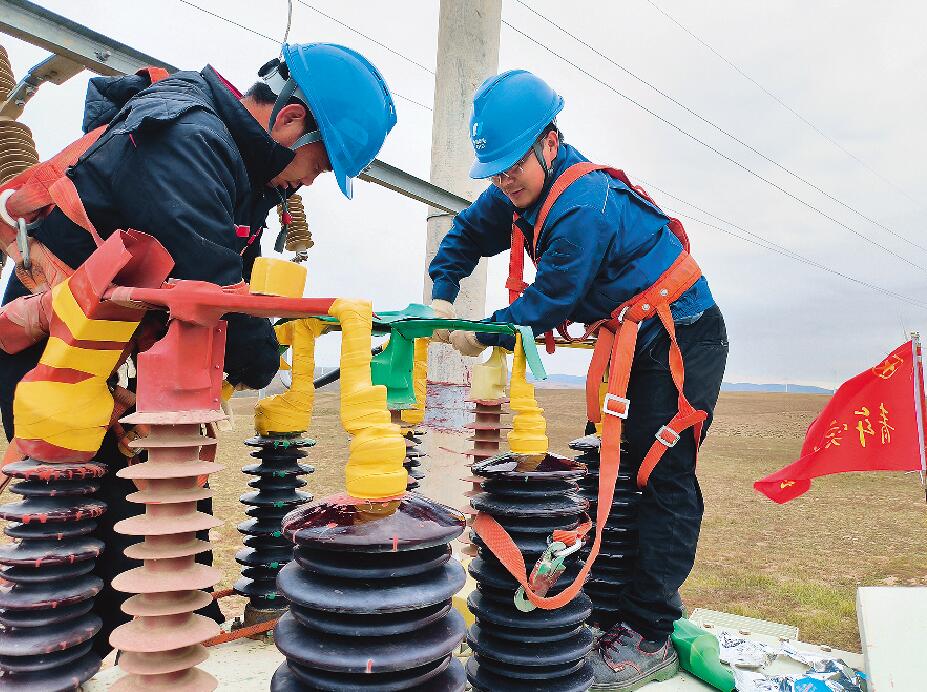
720	129
767	244
277	43
368	37
782	103
717	151
793	256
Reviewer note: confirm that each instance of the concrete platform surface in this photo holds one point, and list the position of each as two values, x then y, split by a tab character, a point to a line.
247	665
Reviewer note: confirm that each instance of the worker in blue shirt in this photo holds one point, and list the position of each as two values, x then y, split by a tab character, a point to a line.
602	246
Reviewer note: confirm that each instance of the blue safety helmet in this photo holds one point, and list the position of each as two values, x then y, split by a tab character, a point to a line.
510	111
347	98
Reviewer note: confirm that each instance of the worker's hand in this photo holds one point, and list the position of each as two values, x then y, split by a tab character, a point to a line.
443	311
466	343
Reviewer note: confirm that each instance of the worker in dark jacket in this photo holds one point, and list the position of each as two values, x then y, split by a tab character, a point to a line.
197	165
601	245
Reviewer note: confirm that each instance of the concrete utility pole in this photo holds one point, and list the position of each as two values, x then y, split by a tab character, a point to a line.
468	53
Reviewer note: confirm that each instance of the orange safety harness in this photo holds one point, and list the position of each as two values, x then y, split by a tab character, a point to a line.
33	194
25	200
614	351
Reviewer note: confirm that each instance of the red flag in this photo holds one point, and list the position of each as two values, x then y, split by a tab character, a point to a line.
870	424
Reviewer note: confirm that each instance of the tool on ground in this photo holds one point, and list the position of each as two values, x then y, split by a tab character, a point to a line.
699	653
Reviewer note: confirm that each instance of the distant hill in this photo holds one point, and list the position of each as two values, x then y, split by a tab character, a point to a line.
561	381
781	388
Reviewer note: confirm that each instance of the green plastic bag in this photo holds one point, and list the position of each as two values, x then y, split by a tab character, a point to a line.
700	654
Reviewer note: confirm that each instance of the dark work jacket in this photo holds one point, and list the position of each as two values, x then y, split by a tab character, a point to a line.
601	245
185	162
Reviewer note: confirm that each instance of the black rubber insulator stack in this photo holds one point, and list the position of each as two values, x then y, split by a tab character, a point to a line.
370	591
414	453
46	610
614	565
541	650
275	494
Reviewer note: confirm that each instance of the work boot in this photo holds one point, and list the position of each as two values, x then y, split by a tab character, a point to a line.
625	661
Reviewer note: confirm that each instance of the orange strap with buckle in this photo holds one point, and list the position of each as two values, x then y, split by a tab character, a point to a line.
615	347
46	185
515	283
654	302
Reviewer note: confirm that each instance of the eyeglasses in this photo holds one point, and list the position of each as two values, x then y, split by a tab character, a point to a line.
518	168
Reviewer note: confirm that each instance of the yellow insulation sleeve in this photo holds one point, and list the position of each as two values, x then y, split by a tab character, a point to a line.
487	379
529	429
414	416
291	412
374	469
72	415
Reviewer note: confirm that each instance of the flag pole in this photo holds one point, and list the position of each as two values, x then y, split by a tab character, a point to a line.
918	404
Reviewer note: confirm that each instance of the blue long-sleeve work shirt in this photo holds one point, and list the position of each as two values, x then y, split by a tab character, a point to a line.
602	244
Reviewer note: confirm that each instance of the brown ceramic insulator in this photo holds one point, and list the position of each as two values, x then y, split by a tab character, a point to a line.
7	80
162	644
17	149
487	429
298	235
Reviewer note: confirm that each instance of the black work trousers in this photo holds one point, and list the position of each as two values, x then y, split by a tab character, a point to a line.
670	509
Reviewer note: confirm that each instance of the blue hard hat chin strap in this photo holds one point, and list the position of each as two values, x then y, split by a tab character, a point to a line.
538	148
308	138
288	91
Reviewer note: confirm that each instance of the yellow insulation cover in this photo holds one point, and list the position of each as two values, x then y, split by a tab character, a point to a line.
291	412
377	450
529	429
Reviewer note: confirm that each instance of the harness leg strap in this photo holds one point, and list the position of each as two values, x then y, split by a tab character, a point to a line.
687	416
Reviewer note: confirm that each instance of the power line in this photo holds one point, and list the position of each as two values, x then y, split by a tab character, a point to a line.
816	265
768	244
782	103
721	129
230	21
781	249
277	43
369	38
714	149
765	243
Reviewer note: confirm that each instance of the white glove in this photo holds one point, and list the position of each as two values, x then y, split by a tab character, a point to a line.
467	343
444	311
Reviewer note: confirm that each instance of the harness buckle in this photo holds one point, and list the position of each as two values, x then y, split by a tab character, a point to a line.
624	405
4	212
662	439
22	242
547	570
566	552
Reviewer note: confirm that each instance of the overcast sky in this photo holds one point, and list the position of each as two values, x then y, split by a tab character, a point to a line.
853	69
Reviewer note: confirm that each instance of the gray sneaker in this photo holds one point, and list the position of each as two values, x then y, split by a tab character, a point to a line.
625	661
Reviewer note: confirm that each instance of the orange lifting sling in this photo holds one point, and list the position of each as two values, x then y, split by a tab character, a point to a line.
26	199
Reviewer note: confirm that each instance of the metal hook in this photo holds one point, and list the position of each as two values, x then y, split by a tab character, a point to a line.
22	241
